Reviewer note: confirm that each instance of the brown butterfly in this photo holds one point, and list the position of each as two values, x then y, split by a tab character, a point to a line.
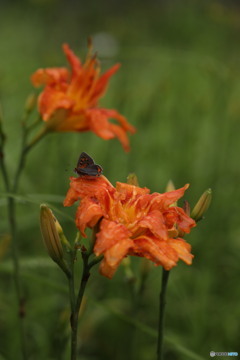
87	167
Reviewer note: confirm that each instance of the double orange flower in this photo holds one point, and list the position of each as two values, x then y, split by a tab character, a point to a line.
132	222
69	101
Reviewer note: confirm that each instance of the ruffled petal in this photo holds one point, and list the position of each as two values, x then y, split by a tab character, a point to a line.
130	192
85	186
106	270
163	201
75	122
51	100
154	221
110	234
158	251
177	215
88	214
183	250
114	256
50	76
71	197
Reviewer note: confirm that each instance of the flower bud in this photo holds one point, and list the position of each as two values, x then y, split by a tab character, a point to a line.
132	179
129	275
30	103
50	229
202	205
170	186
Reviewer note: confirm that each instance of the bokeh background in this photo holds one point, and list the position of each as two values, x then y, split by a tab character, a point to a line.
179	84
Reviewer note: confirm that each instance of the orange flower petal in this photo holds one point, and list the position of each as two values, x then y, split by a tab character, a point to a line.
113	114
72	59
163	201
83	186
50	101
88	214
114	256
154	221
49	76
117	252
110	234
99	124
120	133
106	270
71	197
102	82
76	122
129	191
183	249
177	215
160	252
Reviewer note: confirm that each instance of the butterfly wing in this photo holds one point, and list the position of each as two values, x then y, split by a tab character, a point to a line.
91	170
84	160
87	167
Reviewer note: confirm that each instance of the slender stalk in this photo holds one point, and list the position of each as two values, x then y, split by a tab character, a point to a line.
25	150
76	301
12	226
12	220
16	274
162	303
75	314
4	172
2	158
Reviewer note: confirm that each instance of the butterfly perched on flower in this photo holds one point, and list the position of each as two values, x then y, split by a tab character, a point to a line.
87	167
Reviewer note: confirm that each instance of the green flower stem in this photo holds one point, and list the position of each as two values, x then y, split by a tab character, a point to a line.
162	303
25	150
34	124
12	219
2	158
71	284
16	275
76	301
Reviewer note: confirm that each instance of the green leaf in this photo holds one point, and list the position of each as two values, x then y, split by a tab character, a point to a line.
171	340
38	199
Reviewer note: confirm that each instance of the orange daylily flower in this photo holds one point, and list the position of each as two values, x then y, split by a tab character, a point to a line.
133	222
69	101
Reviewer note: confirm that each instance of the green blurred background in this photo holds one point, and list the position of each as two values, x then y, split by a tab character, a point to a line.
179	84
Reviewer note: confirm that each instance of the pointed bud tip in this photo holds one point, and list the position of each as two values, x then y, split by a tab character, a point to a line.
170	186
30	102
43	206
202	205
50	233
132	179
